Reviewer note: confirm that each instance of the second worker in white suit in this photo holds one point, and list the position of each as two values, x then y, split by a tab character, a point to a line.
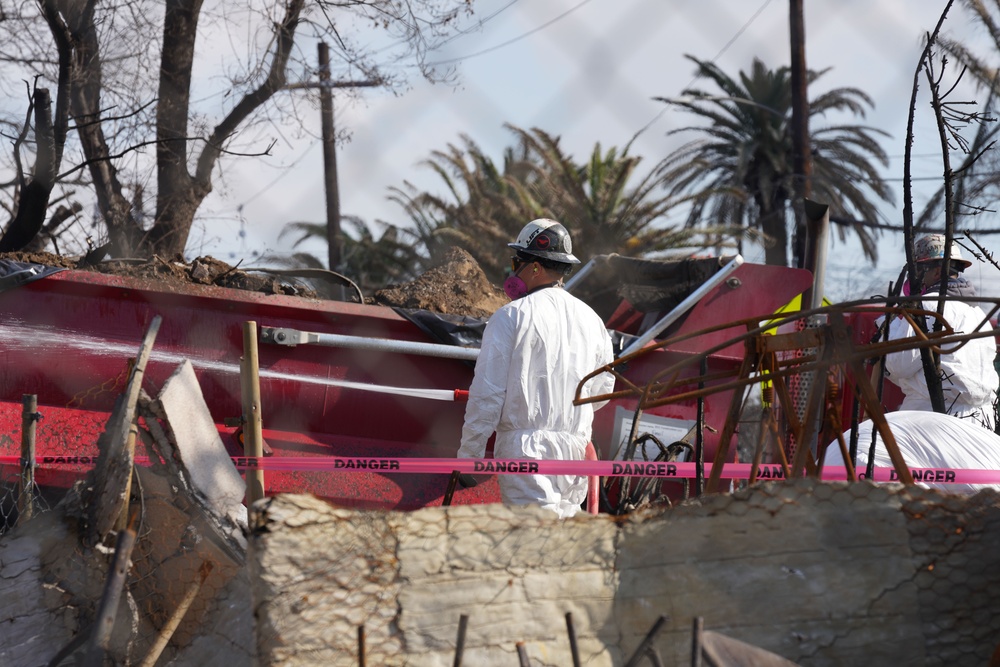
968	377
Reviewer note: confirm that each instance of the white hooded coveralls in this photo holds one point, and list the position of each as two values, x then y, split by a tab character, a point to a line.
535	352
927	440
968	378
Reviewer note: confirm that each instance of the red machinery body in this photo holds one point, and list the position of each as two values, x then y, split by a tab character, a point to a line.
67	339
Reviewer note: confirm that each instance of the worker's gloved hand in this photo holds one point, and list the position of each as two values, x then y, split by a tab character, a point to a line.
467	481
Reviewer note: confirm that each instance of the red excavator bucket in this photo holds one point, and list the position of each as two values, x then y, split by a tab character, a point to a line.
68	338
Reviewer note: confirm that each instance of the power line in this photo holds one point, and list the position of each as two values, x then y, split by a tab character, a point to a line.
718	55
912	178
491	49
480	23
477	25
738	33
285	171
836	220
465	31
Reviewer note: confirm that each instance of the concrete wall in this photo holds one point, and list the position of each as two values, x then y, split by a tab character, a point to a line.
820	573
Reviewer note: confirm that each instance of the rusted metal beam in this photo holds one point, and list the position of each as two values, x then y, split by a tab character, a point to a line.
822	349
874	409
750	362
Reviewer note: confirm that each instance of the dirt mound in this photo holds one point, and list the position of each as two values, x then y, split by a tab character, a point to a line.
456	286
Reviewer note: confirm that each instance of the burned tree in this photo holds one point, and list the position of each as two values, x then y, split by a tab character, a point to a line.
126	72
951	117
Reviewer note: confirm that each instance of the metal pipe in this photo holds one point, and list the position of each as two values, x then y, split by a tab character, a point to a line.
573	649
450	492
818	226
522	655
292	337
699	436
698	626
463	623
647	642
717	278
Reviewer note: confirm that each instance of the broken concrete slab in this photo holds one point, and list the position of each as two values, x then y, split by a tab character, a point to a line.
28	590
201	451
51	583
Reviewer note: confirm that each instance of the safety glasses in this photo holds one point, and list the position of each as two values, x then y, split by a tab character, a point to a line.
516	263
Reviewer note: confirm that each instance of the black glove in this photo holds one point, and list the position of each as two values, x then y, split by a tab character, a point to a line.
467	481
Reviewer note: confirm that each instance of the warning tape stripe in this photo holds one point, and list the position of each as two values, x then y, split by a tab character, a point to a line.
535	467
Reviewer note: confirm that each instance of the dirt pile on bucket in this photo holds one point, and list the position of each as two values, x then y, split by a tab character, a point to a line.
174	272
456	286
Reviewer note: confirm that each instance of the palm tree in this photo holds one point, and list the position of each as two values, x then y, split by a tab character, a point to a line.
487	205
483	208
604	203
372	263
976	179
983	70
740	169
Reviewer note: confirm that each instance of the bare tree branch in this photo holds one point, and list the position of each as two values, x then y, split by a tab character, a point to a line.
143	144
100	55
250	102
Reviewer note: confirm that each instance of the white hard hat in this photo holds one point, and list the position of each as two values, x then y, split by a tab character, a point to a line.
547	239
930	248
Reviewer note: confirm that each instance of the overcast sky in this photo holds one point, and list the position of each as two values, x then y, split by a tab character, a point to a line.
587	70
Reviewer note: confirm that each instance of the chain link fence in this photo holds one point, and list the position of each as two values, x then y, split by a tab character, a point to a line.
924	600
587	72
20	501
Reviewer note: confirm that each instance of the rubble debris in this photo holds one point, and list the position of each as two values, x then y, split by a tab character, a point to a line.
175	272
455	286
187	589
199	449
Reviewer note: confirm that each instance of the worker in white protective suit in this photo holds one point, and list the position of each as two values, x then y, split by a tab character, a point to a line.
927	440
535	352
968	377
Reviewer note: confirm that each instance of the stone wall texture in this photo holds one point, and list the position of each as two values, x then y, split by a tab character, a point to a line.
819	573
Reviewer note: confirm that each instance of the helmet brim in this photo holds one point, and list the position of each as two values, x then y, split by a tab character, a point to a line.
964	263
565	258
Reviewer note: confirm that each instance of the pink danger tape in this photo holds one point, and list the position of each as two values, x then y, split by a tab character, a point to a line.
348	464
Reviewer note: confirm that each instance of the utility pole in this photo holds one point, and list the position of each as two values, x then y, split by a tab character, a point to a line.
329	160
802	158
810	218
329	134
